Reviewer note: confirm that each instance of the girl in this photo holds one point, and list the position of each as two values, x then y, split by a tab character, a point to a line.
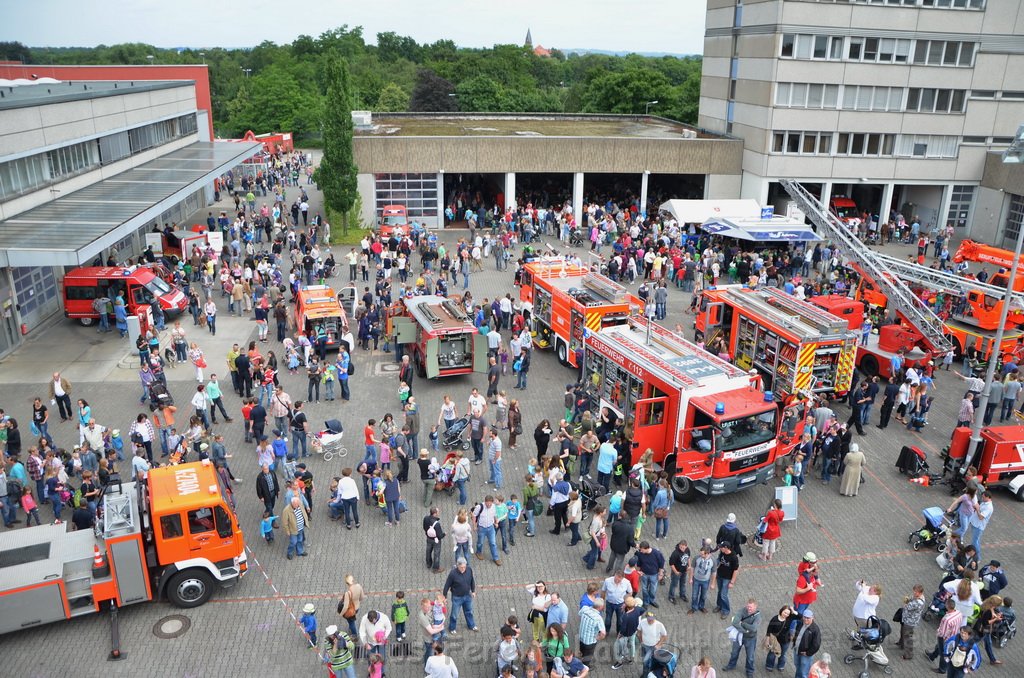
660	506
31	509
195	355
376	668
539	609
514	422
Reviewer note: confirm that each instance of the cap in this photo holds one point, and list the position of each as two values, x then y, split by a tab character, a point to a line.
809	613
731	518
309	608
995	563
810	557
650	614
725	545
263	437
331	630
204	446
460	561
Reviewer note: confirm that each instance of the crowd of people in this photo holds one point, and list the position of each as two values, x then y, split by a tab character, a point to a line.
586	452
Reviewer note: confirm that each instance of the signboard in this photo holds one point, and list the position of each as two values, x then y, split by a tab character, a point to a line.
216	240
767	212
156	241
788	496
791	234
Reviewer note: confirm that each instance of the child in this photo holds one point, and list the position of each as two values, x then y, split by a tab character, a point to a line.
308	622
376	669
513	623
385	455
31	509
787	477
399	614
438	611
503	355
434	443
267	527
403	393
570	401
501	521
515	509
798	472
615	505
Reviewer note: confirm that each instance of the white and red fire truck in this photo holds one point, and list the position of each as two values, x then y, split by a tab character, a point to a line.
708	423
438	335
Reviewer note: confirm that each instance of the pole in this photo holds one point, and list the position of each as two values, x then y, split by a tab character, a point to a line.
996	357
115	636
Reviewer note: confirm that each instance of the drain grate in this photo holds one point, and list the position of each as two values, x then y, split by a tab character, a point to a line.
172	626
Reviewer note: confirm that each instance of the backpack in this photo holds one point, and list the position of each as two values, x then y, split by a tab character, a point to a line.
351	366
76	499
14	489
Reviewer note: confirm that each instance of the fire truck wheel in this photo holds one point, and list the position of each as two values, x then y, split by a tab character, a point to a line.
1020	494
87	322
563	353
869	366
684	489
421	369
190	588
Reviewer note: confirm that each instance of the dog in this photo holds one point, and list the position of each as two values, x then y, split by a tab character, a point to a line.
170	358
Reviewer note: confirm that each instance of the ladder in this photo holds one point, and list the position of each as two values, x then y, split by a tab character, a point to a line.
940	280
900	298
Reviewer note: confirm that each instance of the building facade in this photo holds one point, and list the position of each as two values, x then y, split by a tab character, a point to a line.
86	169
893	103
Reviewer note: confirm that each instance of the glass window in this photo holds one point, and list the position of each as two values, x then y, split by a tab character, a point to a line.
1015	96
857	144
844	144
792	143
902	51
975	140
921	52
200	520
782	91
874	142
825	143
928	99
778	142
871	49
820	46
888	144
814	96
788	40
170	526
957	102
949	56
835	49
804	45
856	46
1014	218
942	98
887	49
799	96
810	143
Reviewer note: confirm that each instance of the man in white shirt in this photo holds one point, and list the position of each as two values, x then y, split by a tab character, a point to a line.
652	635
485	516
374	631
477	404
979	521
441	665
615	588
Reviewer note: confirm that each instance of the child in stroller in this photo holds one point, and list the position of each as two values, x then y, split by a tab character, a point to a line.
1006	628
590	491
870	640
663	662
935	532
444	476
452	438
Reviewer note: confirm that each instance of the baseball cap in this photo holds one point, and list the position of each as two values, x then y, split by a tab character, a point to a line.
731	518
810	557
809	613
650	614
995	563
725	545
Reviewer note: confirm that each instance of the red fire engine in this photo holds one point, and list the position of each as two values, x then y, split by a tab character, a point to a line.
999	456
708	422
438	335
567	299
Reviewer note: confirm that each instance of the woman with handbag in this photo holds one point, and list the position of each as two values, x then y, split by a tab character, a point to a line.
195	355
661	504
348	606
598	538
515	424
531	502
539	605
776	641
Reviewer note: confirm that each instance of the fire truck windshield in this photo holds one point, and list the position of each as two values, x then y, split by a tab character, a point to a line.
736	434
158	287
847	211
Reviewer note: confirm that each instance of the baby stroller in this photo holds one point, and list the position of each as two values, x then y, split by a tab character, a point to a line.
912	461
158	394
935	531
663	662
1004	631
328	441
444	478
452	438
590	491
870	640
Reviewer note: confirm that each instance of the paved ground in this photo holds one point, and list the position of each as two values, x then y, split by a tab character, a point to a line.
253	625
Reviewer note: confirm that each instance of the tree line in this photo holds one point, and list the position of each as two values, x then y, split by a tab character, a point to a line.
273	87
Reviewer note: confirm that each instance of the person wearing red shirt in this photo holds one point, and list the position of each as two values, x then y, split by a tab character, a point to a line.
772	532
370	440
807	584
632	575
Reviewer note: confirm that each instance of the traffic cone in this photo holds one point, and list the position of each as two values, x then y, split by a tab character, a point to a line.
923	480
99	565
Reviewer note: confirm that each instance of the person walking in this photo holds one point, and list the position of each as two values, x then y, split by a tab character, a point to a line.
434	533
295	518
949	625
351	601
854	461
772	531
776	640
725	577
485	516
743	630
621	542
806	644
962	654
426	477
462	586
267	488
60	391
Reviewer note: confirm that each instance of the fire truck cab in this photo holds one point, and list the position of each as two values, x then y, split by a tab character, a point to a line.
795	346
708	423
999	456
171	536
317	308
438	335
568	299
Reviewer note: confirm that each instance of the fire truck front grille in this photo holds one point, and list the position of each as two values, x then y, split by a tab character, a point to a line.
749	462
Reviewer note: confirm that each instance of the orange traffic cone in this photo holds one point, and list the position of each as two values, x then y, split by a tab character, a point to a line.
99	565
923	480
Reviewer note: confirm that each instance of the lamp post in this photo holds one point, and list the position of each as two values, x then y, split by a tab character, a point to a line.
202	55
647	106
1012	155
247	71
149	58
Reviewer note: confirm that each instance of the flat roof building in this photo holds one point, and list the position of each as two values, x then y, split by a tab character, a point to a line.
893	103
428	161
88	167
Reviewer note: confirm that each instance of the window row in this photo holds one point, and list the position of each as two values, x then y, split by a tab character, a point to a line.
877	50
863	144
869	98
938	4
24	175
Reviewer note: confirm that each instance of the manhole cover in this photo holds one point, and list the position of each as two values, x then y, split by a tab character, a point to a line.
390	367
172	626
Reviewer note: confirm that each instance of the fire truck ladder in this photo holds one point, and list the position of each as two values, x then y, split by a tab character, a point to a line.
941	281
605	287
900	298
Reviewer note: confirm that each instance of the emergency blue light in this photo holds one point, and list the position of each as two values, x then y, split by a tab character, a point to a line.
769	397
719	408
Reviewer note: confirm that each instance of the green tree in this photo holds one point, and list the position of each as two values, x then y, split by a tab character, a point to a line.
392	47
392	99
481	93
625	91
15	51
336	175
273	101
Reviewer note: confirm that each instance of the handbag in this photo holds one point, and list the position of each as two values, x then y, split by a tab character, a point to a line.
898	616
201	362
661	512
518	429
33	428
771	644
538	506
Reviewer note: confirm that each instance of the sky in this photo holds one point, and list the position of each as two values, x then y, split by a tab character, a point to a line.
672	26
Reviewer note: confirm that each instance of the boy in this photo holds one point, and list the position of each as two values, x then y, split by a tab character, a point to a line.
308	622
267	527
399	614
515	509
508	649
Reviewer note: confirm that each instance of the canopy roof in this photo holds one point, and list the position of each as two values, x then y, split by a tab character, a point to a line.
699	211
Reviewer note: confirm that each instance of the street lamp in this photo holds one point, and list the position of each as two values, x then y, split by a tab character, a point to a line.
647	106
1012	155
202	55
149	58
247	71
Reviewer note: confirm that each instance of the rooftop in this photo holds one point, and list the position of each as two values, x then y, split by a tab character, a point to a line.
527	125
23	96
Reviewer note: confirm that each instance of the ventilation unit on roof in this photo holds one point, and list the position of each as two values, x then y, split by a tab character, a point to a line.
689	134
362	119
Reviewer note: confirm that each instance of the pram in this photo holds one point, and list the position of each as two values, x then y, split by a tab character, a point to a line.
328	441
663	662
935	531
444	479
158	394
912	461
452	438
870	639
1004	631
590	491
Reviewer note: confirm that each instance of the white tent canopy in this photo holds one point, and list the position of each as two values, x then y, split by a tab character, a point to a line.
699	211
776	229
